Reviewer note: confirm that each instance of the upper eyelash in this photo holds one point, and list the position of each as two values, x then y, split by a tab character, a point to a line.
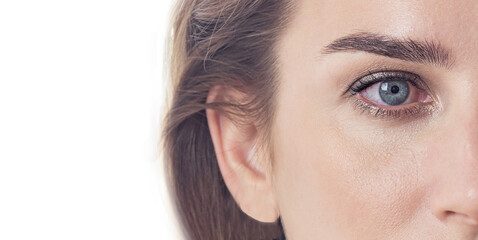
362	84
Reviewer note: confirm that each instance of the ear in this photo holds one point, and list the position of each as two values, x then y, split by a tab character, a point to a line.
242	168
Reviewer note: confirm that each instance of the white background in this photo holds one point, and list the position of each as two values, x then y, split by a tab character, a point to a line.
80	97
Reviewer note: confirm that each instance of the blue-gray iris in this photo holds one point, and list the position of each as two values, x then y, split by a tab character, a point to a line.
394	92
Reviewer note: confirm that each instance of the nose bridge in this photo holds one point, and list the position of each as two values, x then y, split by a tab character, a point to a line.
463	155
460	153
456	167
464	119
469	132
461	130
466	137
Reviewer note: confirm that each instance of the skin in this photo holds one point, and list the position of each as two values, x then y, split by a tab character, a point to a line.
341	173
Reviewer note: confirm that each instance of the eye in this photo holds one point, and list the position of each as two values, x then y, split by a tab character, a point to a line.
391	90
392	95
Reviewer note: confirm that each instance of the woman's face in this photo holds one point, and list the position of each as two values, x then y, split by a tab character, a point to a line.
376	132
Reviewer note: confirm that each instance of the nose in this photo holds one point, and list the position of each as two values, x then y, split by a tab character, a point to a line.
454	198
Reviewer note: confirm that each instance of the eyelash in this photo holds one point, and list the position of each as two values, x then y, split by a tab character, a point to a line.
414	110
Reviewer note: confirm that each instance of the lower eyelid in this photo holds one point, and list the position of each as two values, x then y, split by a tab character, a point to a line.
413	110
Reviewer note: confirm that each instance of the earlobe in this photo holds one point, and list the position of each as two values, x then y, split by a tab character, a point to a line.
243	171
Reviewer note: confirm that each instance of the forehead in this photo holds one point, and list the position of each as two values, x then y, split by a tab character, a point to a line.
454	24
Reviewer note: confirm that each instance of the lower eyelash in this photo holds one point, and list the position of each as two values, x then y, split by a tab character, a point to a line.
420	109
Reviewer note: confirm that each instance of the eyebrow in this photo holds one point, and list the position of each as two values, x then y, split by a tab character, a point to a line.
407	50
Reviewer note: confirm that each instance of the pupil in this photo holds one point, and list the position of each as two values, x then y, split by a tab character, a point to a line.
395	89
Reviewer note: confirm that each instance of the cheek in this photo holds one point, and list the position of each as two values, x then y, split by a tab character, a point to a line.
350	177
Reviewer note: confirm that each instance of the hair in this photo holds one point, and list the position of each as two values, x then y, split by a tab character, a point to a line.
229	43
